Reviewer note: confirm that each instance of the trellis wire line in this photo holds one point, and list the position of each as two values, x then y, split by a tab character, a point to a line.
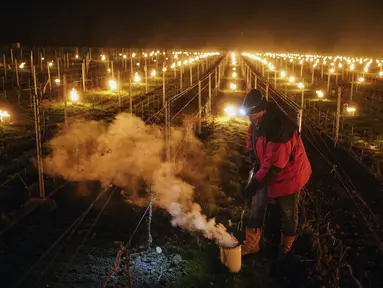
125	246
80	218
182	108
350	184
13	177
154	116
88	232
351	196
175	97
179	111
139	223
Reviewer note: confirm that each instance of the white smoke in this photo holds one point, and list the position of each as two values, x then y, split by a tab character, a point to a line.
127	152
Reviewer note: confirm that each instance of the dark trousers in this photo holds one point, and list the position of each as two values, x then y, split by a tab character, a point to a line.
288	205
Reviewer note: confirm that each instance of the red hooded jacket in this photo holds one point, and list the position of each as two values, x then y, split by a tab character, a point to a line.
283	163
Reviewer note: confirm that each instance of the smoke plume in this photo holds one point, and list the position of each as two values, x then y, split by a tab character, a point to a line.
126	153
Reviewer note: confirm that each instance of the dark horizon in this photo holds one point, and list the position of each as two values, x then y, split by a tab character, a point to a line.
325	27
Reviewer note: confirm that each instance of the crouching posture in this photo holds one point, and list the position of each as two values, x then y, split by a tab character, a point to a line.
281	169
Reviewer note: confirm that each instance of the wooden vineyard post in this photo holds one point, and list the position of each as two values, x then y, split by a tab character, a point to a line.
38	136
312	75
336	138
191	74
163	87
249	84
263	70
119	90
112	68
5	65
65	102
122	58
199	107
150	239
130	83
4	91
209	103
83	76
181	88
275	79
146	73
87	62
219	75
40	54
50	82
125	63
352	86
58	68
166	107
17	80
32	58
328	82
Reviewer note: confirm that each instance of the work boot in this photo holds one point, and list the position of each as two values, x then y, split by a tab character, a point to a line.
286	243
251	244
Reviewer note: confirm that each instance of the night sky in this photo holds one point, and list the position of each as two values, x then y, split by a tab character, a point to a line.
303	26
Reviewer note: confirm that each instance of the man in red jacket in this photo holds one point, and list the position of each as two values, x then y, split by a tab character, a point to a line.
282	169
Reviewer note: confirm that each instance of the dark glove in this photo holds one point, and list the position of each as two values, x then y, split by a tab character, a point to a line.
252	188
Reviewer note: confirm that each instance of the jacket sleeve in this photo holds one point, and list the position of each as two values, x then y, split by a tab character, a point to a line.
248	139
277	155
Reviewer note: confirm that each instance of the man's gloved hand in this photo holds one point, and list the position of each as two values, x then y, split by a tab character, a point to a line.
252	188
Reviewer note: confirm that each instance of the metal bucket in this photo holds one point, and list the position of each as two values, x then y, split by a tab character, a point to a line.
231	257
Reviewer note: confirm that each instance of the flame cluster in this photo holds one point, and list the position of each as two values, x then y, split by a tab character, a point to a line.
332	63
4	114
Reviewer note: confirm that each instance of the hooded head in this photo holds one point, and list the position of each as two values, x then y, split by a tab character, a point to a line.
254	105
